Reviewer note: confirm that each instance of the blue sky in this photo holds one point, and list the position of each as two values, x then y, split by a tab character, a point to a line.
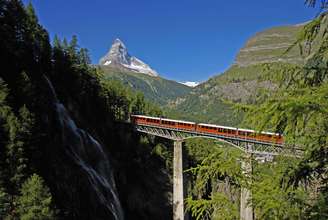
184	40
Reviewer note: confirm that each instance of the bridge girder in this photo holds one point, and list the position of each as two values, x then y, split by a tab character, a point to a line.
247	146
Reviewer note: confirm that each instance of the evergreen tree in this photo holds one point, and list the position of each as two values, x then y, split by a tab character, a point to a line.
31	14
4	203
312	3
138	106
35	200
65	45
73	48
56	43
84	57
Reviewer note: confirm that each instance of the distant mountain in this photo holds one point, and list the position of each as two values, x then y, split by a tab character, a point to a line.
119	57
155	89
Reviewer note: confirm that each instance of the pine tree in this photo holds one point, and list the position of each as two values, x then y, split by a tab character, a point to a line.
139	104
57	43
31	13
35	200
4	203
84	57
72	49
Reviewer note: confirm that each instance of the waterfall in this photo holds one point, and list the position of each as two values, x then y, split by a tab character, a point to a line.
89	155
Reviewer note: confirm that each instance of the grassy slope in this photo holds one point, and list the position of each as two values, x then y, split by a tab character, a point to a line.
270	46
156	89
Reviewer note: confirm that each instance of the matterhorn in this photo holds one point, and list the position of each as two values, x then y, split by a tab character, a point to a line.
119	57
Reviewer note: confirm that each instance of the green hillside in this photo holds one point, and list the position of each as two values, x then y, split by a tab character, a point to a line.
254	72
213	100
156	89
270	46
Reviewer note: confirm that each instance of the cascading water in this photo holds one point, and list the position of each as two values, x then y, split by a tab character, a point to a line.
90	156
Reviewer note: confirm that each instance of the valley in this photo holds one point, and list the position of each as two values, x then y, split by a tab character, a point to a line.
213	100
118	141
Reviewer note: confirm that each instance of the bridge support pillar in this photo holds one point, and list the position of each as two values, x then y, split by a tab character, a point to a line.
246	209
178	210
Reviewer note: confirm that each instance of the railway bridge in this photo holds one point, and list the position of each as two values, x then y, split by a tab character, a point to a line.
260	144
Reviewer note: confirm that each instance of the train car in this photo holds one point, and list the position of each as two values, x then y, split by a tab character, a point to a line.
177	124
145	120
260	136
163	122
246	134
215	129
270	137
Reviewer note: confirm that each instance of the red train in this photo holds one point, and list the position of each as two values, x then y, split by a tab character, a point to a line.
208	129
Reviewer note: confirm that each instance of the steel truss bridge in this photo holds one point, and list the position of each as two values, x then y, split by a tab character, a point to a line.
246	145
261	150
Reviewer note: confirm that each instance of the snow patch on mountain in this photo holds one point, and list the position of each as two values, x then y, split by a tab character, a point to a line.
107	62
190	84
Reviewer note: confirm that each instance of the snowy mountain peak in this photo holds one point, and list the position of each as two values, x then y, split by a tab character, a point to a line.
117	41
118	56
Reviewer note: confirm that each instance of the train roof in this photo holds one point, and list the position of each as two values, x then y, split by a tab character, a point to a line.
217	126
262	132
146	117
239	129
166	119
187	122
